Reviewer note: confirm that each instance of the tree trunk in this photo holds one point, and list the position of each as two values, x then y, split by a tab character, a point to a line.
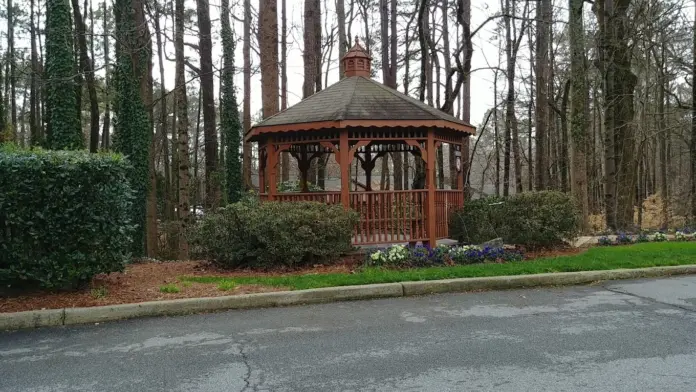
12	62
246	120
578	110
662	133
693	130
168	194
86	68
285	156
210	144
619	86
106	129
342	41
182	132
542	69
35	128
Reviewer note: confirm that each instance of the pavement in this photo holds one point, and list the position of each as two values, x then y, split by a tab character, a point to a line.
614	336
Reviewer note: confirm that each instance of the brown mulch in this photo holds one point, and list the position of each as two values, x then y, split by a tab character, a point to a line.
141	282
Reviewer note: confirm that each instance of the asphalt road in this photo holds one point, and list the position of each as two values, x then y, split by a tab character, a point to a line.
620	336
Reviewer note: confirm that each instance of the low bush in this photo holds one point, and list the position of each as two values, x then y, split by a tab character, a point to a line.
623	239
64	217
269	234
400	256
534	219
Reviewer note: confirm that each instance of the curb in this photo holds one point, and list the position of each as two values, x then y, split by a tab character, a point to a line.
97	314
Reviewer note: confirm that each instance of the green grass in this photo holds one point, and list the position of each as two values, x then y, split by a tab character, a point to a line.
169	289
227	285
99	292
595	259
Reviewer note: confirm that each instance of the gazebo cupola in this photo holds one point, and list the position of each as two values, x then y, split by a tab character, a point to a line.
357	62
356	122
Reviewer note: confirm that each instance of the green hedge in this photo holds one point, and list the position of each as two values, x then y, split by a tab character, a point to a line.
535	219
271	234
64	216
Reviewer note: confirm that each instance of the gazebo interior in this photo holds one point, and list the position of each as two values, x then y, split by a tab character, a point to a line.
360	119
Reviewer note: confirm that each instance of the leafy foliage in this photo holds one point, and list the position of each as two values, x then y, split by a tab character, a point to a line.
250	233
294	186
61	99
133	131
229	112
532	219
64	216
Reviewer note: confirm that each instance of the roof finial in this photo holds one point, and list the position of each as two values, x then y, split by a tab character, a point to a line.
357	41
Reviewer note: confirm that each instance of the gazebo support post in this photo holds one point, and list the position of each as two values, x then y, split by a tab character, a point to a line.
430	184
461	174
344	163
262	168
272	153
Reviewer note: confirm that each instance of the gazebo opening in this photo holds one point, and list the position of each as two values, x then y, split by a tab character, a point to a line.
356	122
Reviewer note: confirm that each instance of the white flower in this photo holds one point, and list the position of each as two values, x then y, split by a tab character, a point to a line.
658	237
377	256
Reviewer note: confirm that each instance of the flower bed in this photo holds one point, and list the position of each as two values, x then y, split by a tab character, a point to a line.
622	238
400	256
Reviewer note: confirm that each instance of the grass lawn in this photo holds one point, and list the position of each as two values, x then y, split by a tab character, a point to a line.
598	258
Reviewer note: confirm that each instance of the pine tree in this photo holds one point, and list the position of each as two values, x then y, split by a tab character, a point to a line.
229	112
132	126
61	102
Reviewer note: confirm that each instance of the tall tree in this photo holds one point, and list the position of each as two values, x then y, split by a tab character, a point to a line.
205	44
61	100
86	69
229	112
133	134
285	160
693	124
542	70
578	108
182	130
106	127
11	74
342	41
246	121
35	128
268	43
619	85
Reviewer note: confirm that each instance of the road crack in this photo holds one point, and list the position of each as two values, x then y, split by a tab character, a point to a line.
649	299
247	375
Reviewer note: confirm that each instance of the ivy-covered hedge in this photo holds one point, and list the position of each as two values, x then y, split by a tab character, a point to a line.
273	234
64	216
534	219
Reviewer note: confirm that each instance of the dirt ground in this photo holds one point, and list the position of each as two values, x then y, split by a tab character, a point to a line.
142	281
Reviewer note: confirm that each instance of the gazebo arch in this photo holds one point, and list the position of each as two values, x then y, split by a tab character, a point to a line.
358	118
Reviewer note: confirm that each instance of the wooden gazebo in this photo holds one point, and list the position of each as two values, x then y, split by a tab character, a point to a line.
358	118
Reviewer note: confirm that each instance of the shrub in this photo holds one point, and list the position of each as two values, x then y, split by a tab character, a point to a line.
64	216
535	219
605	241
254	234
623	239
642	237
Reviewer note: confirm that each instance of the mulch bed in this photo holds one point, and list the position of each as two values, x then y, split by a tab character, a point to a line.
141	282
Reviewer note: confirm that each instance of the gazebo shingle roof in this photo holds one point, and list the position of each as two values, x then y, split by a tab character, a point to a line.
358	101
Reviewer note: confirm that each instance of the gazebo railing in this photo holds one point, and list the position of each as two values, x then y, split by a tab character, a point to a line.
321	197
446	202
390	216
